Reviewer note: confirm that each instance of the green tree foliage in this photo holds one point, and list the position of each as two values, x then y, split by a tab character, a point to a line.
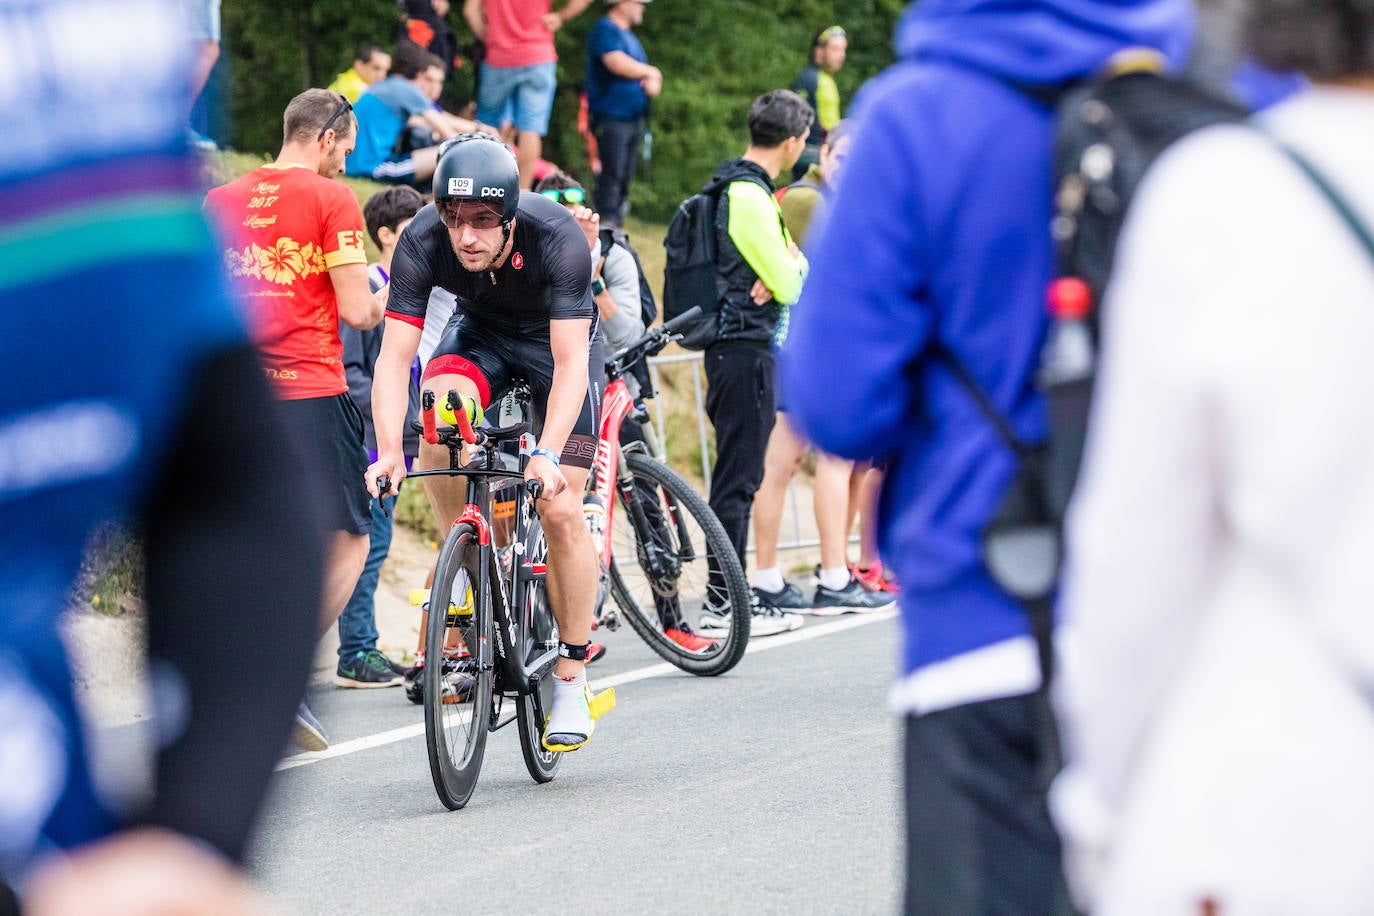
716	57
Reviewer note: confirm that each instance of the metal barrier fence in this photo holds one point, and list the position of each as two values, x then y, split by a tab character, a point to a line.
696	361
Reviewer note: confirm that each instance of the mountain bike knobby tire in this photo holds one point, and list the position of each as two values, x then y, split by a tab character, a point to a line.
458	686
534	626
677	497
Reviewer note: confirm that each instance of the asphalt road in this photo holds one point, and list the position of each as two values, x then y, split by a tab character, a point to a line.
773	789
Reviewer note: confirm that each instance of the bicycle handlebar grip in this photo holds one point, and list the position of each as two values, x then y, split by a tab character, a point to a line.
685	318
455	404
427	417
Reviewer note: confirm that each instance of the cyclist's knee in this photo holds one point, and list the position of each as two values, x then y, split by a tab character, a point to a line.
465	385
561	518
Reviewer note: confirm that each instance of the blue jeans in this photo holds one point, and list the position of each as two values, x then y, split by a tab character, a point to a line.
358	622
525	94
618	144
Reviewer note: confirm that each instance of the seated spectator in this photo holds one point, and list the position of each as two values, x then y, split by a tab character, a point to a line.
1217	644
384	115
420	133
370	64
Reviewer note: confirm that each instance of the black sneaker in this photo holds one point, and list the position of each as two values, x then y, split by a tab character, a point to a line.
852	599
414	681
788	599
366	669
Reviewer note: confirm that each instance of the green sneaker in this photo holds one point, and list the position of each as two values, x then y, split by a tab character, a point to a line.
366	670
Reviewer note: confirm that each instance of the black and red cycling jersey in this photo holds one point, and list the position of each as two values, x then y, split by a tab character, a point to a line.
547	276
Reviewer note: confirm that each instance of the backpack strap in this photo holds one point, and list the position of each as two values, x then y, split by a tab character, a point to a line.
996	419
1337	202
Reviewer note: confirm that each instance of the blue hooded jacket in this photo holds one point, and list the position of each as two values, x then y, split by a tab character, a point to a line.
938	233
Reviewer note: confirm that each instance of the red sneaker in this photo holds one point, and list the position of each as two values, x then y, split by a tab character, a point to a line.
691	641
872	579
595	651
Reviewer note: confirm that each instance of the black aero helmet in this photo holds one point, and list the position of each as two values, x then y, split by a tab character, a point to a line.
478	167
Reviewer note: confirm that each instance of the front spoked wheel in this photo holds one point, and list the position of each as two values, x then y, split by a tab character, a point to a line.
674	573
536	632
458	669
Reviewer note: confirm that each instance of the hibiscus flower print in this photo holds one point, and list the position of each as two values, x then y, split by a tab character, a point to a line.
282	263
313	256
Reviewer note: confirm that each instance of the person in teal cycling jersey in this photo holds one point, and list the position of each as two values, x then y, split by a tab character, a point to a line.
128	389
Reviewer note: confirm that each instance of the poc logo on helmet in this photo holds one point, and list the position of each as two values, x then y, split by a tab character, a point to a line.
460	187
493	192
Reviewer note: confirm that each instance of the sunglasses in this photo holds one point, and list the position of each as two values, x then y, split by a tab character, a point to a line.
457	214
345	106
566	195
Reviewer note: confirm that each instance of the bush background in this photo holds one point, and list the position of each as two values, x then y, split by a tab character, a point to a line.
717	56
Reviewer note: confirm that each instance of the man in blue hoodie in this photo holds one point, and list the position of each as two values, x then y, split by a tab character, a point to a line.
938	242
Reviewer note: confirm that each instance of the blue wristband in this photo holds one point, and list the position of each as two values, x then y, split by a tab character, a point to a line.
547	454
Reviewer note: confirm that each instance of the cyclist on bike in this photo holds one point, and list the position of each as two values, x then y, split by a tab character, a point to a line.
520	267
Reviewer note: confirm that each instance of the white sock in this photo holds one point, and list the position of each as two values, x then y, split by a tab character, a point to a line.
770	580
570	714
835	579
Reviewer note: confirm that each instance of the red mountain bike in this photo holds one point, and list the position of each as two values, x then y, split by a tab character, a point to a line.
666	561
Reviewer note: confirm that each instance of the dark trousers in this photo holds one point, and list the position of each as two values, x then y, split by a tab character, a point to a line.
979	837
617	142
740	403
358	622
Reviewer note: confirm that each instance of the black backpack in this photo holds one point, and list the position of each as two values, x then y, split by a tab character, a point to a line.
648	307
690	274
1108	132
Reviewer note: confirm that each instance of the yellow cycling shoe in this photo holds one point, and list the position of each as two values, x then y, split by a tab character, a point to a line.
589	709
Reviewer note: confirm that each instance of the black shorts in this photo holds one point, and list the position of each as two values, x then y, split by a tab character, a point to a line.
328	436
495	362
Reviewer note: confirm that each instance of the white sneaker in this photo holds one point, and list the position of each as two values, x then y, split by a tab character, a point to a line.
715	618
770	621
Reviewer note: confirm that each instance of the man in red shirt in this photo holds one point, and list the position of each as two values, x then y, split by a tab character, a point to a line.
518	75
299	253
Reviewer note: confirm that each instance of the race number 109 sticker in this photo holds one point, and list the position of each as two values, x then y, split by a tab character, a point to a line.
460	187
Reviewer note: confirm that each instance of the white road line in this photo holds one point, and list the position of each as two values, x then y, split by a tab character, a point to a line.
628	677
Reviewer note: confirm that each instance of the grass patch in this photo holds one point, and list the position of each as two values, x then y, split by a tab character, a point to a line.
111	580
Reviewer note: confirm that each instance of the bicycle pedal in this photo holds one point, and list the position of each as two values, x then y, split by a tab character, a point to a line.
601	703
418	597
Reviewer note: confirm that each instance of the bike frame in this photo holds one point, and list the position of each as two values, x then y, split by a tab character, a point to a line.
523	677
609	466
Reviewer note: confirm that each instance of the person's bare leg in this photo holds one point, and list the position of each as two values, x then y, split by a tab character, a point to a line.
528	149
858	471
447	495
780	463
572	566
346	556
868	517
830	500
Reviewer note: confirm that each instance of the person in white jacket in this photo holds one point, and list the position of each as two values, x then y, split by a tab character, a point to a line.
1217	636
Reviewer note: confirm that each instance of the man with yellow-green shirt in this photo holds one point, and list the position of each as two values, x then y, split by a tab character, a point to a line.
370	64
760	271
816	84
